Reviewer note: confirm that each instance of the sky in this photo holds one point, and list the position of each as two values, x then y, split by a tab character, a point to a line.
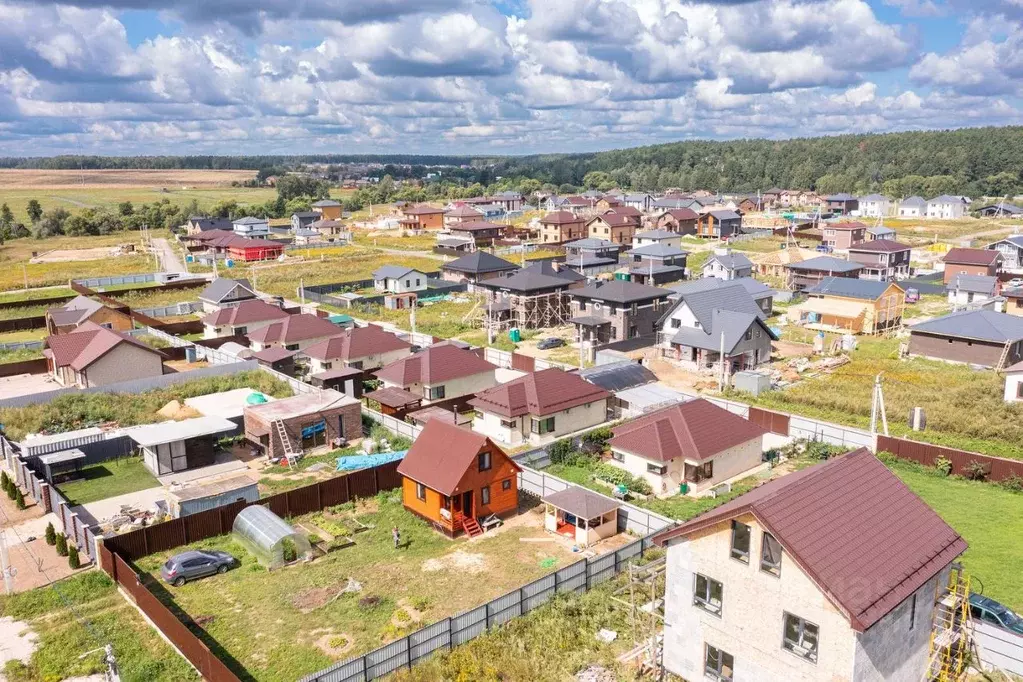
502	77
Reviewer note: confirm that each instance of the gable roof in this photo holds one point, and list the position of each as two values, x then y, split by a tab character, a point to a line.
433	365
880	246
727	326
357	342
247	311
695	430
442	454
1015	239
732	261
422	209
75	311
962	256
621	291
947	199
614	220
753	287
978	284
913	201
591	243
874	197
625	210
206	224
871	542
655	234
324	203
393	272
478	262
88	343
723	214
539	393
475	226
295	328
880	229
982	325
826	264
560	218
851	288
704	300
248	220
841	196
845	225
219	289
681	213
464	211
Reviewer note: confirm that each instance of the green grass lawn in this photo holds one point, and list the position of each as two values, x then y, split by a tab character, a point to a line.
24	311
109	479
269	623
20	354
30	294
991	520
64	641
23	335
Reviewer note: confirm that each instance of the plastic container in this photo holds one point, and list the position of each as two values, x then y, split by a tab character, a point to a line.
515	335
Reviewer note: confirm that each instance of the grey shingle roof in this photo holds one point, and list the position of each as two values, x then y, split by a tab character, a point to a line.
978	284
658	251
913	201
590	243
825	264
546	268
249	220
581	502
946	199
703	302
982	325
849	287
525	281
754	288
655	234
392	271
732	261
728	323
874	197
725	214
668	204
479	261
841	196
219	288
620	291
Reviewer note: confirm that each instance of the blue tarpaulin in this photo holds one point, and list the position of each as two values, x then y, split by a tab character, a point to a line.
314	429
353	462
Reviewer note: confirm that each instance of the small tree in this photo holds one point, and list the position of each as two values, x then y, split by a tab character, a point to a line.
51	535
20	500
5	480
34	210
72	557
61	544
12	490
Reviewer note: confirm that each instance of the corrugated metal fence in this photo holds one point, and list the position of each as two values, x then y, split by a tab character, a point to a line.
997	468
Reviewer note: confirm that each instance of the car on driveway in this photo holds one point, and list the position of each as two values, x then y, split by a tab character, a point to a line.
550	342
987	610
1014	283
195	564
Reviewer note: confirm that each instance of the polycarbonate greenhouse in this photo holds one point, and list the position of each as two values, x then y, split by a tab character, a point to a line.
265	535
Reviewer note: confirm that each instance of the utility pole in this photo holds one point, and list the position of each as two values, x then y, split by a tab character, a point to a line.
877	405
721	355
412	320
5	565
301	289
24	271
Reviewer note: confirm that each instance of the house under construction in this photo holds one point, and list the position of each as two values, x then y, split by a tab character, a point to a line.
851	306
531	298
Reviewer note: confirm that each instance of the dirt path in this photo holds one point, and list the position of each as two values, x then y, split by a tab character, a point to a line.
169	258
73	202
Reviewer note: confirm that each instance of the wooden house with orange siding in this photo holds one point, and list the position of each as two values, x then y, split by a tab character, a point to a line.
454	478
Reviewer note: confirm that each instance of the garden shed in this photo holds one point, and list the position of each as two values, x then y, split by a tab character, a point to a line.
65	465
581	515
268	536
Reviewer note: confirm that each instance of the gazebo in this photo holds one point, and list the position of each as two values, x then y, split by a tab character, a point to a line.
583	516
394	401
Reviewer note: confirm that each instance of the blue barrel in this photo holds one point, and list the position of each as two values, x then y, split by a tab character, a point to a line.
190	353
229	263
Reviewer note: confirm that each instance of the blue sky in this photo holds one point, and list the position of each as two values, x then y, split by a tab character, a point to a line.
508	77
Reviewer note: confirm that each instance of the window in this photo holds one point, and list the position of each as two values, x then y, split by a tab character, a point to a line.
355	365
542	426
417	281
509	423
484	461
770	555
619	457
740	542
749	333
485	495
800	637
435	393
327	365
708	594
291	346
659	469
718	665
421	491
476	414
676	323
506	484
408	283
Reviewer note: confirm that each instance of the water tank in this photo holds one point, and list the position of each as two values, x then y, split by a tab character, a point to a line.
189	258
229	263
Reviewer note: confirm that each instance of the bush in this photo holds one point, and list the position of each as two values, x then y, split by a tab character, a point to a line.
1013	483
944	465
5	480
560	450
618	476
51	535
61	544
288	550
12	490
19	499
72	557
975	471
596	440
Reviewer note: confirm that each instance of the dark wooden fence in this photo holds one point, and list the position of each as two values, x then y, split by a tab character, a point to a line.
34	366
19	324
29	302
997	468
775	422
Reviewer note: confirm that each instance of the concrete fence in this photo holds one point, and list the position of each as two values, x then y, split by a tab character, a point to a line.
172	310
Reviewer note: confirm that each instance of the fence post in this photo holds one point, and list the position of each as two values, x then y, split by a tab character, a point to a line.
44	492
408	650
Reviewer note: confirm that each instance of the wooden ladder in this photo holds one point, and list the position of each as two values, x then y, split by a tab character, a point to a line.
1005	354
289	451
471	527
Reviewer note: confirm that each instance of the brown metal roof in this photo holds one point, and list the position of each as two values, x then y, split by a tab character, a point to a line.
434	364
961	256
395	397
245	312
442	454
273	354
475	226
422	209
581	502
683	214
357	342
627	210
295	328
464	211
87	344
844	226
540	393
695	430
560	218
614	219
853	527
880	246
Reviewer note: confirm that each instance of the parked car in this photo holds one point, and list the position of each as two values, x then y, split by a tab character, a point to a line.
195	564
987	610
1014	283
552	342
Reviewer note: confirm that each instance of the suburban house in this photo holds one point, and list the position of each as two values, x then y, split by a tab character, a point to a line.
640	201
591	248
91	355
881	232
480	232
441	372
976	337
364	348
718	224
327	209
199	224
422	217
808	273
79	310
307	236
882	259
562	226
676	202
475	267
702	319
851	306
249	227
303	220
539	407
1013	383
509	201
960	261
462	214
241	319
293	332
634	214
947	207
247	250
398	279
1013	300
875	206
1000	210
774	263
849	597
965	290
687	448
841	203
678	220
844	235
174	446
224	293
320	419
912	207
727	265
329	228
761	294
658	236
1011	250
612	227
657	264
604	312
455	478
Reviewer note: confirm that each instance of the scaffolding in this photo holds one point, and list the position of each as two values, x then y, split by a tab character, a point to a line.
643	595
951	630
525	311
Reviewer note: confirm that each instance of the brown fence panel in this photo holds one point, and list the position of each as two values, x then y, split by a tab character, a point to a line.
175	328
23	323
362	483
163	536
998	468
304	500
523	363
205	524
36	366
31	302
334	491
131	545
278	504
388	477
775	422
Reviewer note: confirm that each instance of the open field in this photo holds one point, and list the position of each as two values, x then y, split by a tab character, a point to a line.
281	625
57	615
916	231
31	294
389	239
156	298
108	479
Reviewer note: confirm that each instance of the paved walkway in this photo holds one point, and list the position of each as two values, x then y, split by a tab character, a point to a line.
169	259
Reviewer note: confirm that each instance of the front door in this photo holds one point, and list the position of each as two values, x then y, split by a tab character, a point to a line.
467	503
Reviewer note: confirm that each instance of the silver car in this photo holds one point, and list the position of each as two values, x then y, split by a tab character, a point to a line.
195	564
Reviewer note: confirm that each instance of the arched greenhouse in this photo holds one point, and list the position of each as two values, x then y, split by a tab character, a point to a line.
267	536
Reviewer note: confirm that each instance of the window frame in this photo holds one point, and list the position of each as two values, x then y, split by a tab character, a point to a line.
485	458
485	495
658	469
506	484
811	655
715	672
435	392
703	600
741	557
766	566
420	492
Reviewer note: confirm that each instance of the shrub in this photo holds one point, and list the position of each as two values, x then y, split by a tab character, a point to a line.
61	544
420	603
5	480
975	471
1013	483
12	490
337	642
72	557
51	535
618	476
944	465
288	550
19	499
596	440
560	450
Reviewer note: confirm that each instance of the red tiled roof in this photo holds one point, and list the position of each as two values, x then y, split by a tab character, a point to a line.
853	527
295	328
434	364
560	218
357	342
961	256
540	393
87	344
579	201
244	312
880	246
625	210
695	430
422	209
614	220
442	454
